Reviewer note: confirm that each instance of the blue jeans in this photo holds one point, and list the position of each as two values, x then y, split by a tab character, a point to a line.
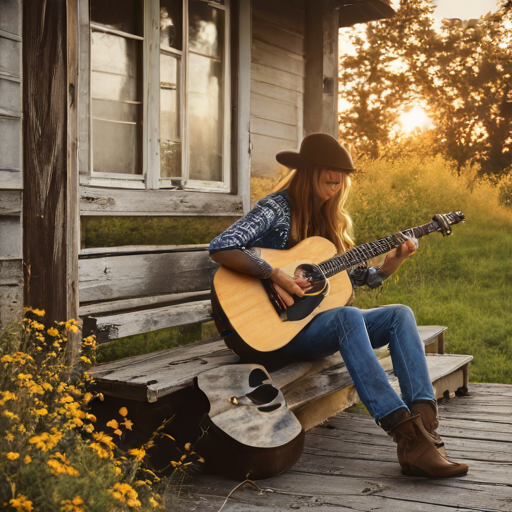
355	333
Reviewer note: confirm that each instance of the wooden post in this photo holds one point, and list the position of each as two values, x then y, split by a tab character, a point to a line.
50	207
330	69
313	86
440	343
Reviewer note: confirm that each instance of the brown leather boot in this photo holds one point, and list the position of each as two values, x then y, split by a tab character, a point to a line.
417	453
428	412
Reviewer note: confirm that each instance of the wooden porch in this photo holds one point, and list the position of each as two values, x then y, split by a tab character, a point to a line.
350	464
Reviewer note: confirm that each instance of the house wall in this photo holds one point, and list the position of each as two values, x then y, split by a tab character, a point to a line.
11	165
277	81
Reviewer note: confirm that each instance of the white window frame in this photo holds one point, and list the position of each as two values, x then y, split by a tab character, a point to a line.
150	178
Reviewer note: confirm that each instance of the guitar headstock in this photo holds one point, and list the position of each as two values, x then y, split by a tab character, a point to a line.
444	221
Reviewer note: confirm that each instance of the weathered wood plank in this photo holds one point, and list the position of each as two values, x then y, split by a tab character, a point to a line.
10	16
276	92
11	179
10	63
98	201
272	57
11	202
11	237
10	147
277	77
112	327
287	133
11	290
139	249
123	305
119	277
275	35
273	110
289	15
154	375
10	97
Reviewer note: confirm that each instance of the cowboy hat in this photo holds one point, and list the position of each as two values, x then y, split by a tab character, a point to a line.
319	149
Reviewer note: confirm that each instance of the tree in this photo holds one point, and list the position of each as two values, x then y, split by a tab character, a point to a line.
462	72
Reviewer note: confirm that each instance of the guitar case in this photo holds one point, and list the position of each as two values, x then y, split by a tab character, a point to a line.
248	432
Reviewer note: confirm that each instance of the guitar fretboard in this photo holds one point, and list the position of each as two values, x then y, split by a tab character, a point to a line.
363	253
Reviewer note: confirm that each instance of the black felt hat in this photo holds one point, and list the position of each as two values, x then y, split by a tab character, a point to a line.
319	149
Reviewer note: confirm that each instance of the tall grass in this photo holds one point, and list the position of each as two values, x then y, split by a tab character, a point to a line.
463	281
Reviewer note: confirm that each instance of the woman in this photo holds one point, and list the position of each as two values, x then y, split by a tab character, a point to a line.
311	202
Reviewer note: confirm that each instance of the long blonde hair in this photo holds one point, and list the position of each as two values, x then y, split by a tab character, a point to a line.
331	220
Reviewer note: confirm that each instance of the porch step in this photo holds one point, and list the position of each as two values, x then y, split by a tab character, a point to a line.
320	395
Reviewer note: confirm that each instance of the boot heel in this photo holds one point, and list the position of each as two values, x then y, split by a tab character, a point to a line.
411	470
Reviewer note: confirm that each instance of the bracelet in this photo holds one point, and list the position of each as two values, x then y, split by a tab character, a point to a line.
273	270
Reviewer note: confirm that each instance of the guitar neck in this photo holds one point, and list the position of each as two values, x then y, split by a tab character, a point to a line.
363	253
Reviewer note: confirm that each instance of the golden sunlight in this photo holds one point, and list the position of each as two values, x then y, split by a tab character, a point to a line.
414	118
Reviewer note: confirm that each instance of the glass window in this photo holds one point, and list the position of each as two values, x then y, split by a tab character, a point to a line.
124	15
205	91
171	24
172	71
170	118
117	87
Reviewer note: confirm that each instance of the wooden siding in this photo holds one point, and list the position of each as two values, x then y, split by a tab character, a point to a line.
11	183
277	81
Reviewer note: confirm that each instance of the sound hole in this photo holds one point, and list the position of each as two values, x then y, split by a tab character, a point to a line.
269	408
257	377
314	275
263	395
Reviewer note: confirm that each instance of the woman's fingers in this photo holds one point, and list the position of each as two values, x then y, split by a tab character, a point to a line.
288	299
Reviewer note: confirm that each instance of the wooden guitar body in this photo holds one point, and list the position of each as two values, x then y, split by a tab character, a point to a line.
253	320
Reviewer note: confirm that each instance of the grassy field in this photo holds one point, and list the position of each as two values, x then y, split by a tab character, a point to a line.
463	281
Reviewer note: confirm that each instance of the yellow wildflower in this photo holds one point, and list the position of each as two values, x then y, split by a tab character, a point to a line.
102	453
52	331
47	386
38	312
133	503
11	415
21	504
153	502
41	412
85	360
128	424
89	428
9	437
37	325
72	328
90	417
28	459
113	424
139	454
118	471
7	359
77	500
13	455
123	411
87	397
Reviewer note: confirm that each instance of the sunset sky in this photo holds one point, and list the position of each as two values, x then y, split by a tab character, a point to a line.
464	9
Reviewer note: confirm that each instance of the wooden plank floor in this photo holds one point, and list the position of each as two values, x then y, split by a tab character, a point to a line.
350	464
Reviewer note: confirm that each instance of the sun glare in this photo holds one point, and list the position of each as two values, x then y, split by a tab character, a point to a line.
414	118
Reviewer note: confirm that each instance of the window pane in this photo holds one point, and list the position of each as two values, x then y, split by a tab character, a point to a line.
205	91
171	23
206	28
170	133
124	15
116	103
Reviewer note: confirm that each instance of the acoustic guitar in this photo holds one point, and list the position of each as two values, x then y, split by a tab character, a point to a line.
253	319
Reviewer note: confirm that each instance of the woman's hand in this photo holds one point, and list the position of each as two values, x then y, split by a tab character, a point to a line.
397	256
287	286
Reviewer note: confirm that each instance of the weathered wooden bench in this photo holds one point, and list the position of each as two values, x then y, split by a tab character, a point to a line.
314	391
